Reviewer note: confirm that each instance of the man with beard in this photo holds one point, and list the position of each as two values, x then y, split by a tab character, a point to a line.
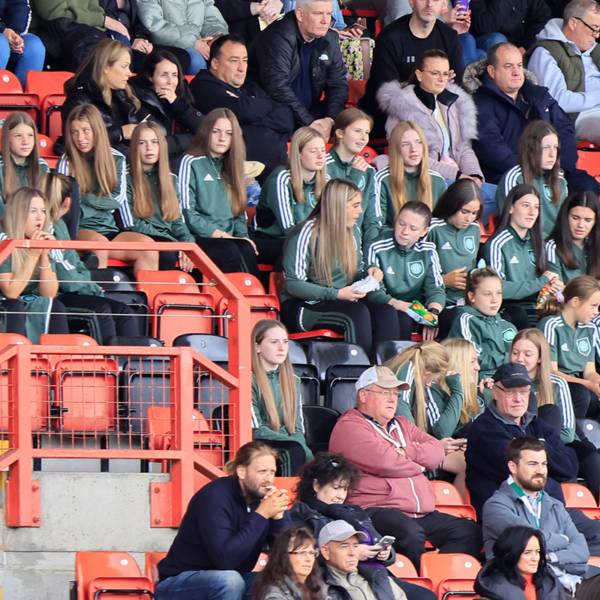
224	529
521	500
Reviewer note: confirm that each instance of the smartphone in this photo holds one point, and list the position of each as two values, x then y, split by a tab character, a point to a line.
386	540
464	4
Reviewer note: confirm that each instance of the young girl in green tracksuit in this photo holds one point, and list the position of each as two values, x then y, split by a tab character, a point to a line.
516	252
213	195
344	161
276	404
480	323
76	287
407	177
411	268
573	247
20	165
322	260
290	193
539	165
572	336
425	367
152	194
100	172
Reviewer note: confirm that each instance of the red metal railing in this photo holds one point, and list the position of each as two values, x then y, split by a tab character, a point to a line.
60	402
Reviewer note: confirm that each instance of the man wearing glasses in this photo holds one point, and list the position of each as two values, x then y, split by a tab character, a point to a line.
392	455
566	59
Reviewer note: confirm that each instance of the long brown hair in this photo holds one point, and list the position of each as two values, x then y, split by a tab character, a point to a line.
398	171
286	380
332	239
427	356
143	205
301	137
233	163
105	54
104	170
582	287
530	156
545	393
34	176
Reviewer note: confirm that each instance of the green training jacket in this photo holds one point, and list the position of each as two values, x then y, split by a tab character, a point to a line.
278	211
564	402
97	211
156	226
491	336
205	199
408	273
556	265
456	248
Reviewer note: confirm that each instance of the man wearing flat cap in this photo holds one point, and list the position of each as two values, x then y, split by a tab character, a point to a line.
392	454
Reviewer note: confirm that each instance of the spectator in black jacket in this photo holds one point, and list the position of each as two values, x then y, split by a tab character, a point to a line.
266	124
224	529
162	89
243	16
20	51
399	47
297	60
518	20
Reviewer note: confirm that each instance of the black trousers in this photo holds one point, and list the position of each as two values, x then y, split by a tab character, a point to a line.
114	317
230	255
590	528
585	403
362	323
445	532
17	313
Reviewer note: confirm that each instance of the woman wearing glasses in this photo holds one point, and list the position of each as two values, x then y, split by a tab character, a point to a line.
292	572
447	115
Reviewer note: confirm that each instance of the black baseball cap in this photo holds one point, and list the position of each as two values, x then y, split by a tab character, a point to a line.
512	375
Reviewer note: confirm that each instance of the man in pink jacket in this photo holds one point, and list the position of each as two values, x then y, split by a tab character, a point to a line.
393	454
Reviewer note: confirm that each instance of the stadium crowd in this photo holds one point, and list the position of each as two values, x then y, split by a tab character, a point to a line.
479	106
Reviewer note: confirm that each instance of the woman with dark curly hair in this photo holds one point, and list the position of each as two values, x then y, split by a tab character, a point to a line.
518	570
292	572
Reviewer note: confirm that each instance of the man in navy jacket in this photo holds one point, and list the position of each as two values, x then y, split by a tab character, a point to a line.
224	529
506	102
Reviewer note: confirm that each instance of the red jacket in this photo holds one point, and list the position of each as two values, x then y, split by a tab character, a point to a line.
388	479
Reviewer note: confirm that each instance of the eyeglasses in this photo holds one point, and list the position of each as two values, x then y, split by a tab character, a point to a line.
305	553
393	393
437	74
514	392
594	30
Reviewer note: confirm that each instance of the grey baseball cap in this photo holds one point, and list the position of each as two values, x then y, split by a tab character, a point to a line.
338	531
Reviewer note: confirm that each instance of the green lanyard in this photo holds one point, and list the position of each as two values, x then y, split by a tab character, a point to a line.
536	514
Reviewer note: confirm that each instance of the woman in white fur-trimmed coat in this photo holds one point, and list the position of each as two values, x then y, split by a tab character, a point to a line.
446	113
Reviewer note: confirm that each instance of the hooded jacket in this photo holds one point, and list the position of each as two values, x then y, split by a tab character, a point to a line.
275	64
412	103
558	64
506	509
502	121
495	586
379	581
388	479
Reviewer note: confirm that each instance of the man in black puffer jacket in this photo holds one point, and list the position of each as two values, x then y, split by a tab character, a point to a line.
297	60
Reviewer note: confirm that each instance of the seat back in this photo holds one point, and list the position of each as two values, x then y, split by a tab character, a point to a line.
177	313
51	115
589	160
112	280
153	283
308	383
590	428
439	567
446	494
44	83
325	354
66	339
319	422
296	353
403	568
214	347
288	483
386	350
340	391
246	283
151	560
262	306
578	496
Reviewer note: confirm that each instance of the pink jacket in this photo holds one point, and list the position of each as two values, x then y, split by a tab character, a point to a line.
387	478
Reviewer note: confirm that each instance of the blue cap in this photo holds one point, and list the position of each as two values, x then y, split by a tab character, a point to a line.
512	375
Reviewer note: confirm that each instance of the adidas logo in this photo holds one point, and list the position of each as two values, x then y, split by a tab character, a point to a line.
514	261
564	347
390	271
208	177
447	246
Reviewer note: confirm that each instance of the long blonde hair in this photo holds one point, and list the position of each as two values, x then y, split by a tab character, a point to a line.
286	380
34	176
57	188
105	54
143	205
332	239
233	160
427	356
104	171
16	214
301	137
460	353
398	171
545	393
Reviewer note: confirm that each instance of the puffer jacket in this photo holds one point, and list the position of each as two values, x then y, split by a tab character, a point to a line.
412	103
275	64
181	22
495	586
388	479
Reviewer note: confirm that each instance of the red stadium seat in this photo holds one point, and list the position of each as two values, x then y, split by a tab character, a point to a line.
151	560
356	90
450	572
12	97
448	500
97	573
46	152
578	496
589	160
405	570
